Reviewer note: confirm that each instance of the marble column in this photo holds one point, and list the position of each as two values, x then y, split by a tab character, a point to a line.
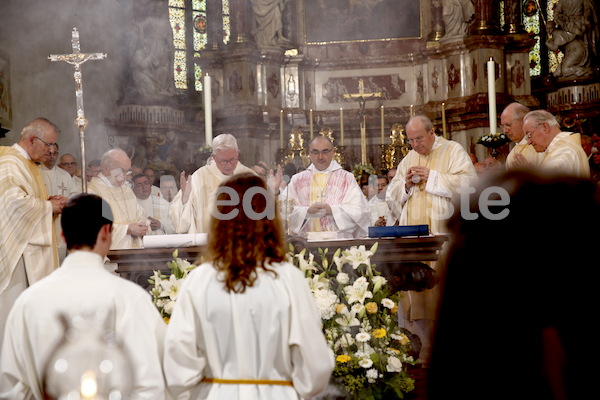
240	14
214	12
486	18
437	23
513	16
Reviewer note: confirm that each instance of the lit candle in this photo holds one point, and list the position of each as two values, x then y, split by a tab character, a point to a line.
382	125
281	129
311	124
341	126
491	68
444	121
412	111
207	111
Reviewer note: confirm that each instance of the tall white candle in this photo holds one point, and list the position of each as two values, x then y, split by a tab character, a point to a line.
207	111
491	69
341	126
311	123
281	129
412	111
444	121
382	125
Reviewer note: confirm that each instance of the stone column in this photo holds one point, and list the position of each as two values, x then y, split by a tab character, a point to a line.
513	16
215	24
437	24
486	18
240	15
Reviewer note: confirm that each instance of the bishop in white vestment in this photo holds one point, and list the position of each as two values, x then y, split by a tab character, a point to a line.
326	197
512	125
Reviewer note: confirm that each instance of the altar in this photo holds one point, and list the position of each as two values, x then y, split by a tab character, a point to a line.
401	259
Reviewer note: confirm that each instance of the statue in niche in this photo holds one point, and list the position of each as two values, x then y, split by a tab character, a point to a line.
575	31
457	15
268	25
151	63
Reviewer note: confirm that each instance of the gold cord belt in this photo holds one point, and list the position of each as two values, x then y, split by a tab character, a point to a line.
247	381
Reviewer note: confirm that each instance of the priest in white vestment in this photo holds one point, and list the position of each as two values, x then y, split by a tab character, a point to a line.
68	162
191	208
561	152
156	208
325	197
27	238
81	286
130	225
511	121
422	193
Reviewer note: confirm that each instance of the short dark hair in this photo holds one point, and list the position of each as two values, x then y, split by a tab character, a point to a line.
82	218
138	176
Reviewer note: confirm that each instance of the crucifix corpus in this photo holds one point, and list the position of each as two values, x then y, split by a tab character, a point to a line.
362	97
76	59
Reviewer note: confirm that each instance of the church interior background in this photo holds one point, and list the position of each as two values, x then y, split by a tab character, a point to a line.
281	72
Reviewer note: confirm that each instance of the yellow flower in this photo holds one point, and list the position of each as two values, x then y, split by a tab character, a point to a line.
379	333
394	350
343	358
339	308
394	309
403	339
371	307
166	319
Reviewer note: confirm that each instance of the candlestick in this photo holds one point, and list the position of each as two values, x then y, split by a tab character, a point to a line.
382	126
341	126
281	129
412	111
491	68
444	121
207	111
311	124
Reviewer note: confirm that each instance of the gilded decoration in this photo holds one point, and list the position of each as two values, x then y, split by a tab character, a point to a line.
273	85
235	83
390	86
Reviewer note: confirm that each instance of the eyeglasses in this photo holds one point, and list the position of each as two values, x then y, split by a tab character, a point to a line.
68	164
529	134
323	152
416	140
225	162
48	145
503	127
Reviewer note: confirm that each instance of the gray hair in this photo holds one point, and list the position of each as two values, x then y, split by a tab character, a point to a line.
224	141
38	127
427	124
541	116
108	159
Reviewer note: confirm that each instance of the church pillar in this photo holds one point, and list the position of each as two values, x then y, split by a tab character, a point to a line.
437	23
240	14
486	15
513	16
215	24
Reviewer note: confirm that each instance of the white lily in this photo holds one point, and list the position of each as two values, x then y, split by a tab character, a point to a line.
358	291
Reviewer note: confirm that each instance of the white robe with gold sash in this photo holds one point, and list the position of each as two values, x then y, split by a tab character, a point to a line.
565	155
194	216
527	151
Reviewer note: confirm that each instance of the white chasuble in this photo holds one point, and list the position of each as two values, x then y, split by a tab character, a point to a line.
194	216
527	151
158	208
125	209
350	215
565	155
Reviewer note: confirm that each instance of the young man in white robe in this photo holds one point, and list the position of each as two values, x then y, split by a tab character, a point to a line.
80	286
327	198
511	121
561	152
192	206
422	193
27	237
129	226
156	208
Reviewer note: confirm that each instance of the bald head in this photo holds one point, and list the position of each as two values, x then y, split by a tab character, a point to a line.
511	121
115	164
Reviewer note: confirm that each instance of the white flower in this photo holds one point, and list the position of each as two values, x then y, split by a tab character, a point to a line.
357	256
363	337
348	318
372	375
378	282
326	301
358	291
387	303
169	307
394	364
305	265
344	341
343	278
317	282
170	288
357	308
365	362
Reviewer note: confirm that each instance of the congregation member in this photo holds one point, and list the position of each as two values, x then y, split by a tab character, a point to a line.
192	206
27	238
80	287
246	325
69	163
92	170
156	208
377	204
511	123
422	193
151	174
326	197
561	151
129	225
168	187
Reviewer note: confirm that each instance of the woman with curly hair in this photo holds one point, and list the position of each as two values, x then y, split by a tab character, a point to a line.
246	325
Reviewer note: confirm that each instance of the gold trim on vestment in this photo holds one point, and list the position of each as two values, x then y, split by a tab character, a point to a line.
247	381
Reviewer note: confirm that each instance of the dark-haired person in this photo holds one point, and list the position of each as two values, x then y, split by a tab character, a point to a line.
246	325
82	283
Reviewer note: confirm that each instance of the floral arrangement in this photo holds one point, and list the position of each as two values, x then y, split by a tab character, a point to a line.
165	290
493	140
359	169
204	149
360	323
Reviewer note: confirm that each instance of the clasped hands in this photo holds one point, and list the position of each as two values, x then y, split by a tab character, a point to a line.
416	175
319	208
58	203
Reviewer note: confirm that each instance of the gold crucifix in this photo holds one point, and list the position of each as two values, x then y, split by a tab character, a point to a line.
76	59
362	97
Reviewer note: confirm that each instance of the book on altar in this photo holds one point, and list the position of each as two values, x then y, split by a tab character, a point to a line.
179	240
397	231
